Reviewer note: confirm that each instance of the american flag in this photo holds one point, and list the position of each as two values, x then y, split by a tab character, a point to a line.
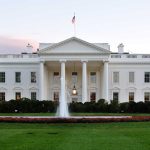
73	19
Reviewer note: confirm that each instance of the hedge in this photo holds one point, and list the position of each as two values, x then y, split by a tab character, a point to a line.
35	106
27	106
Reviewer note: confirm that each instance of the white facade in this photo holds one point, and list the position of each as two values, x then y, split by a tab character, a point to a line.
93	69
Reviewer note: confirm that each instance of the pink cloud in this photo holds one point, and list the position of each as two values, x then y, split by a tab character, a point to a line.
15	45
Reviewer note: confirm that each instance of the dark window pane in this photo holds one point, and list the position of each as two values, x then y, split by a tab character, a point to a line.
92	96
2	76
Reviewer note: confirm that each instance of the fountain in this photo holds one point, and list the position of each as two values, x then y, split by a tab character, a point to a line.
62	110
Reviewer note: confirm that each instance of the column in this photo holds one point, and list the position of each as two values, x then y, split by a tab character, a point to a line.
105	80
84	81
63	88
42	80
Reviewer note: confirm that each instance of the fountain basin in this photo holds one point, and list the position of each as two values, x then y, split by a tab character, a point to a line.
73	119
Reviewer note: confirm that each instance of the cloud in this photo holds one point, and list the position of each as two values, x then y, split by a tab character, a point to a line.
15	45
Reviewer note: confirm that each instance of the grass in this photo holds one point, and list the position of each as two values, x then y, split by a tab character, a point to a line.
75	114
110	136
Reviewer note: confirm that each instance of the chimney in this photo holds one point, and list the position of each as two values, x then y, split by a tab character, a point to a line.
120	48
29	48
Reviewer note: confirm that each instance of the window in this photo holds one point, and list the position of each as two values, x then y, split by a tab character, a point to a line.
147	96
131	96
18	95
56	77
115	96
92	96
93	77
131	77
56	96
33	77
74	77
33	95
116	77
18	77
2	96
2	76
147	77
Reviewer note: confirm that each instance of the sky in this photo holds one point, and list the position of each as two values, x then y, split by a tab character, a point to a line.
97	21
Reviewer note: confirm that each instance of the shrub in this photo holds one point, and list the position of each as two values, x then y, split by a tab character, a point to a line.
140	107
132	107
76	107
147	107
113	106
27	106
124	107
101	106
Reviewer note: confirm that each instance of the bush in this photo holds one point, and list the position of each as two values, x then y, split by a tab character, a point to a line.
132	107
27	106
101	106
147	107
114	106
124	107
141	107
76	107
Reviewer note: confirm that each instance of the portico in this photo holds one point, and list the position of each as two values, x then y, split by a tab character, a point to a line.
58	77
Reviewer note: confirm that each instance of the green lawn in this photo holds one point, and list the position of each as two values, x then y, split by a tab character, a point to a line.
110	136
75	114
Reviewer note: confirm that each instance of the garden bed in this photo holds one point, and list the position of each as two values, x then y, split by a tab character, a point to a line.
81	119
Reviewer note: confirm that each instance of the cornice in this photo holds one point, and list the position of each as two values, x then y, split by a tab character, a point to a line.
49	54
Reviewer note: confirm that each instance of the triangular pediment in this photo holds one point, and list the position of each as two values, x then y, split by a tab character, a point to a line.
74	45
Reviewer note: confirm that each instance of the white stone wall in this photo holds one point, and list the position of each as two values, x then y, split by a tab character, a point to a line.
25	86
124	87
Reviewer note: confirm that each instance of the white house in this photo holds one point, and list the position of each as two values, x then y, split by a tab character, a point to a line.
89	68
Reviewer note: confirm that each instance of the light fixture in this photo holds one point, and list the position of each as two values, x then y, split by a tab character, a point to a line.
74	90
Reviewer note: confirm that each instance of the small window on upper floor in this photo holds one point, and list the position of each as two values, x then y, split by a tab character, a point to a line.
131	77
56	77
147	77
115	77
93	77
18	77
33	77
2	76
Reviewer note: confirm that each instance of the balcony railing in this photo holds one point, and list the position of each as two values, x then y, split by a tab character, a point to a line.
133	56
18	56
